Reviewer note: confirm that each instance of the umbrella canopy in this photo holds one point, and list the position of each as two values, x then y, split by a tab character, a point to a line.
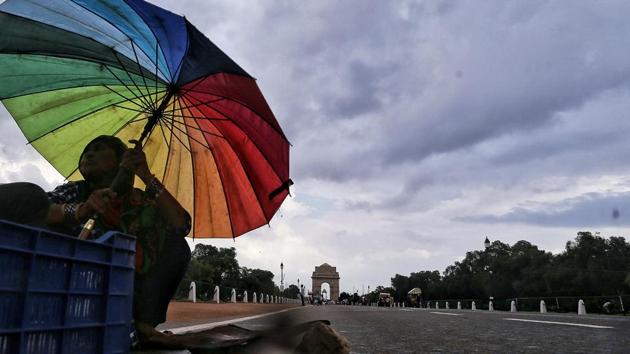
415	291
71	70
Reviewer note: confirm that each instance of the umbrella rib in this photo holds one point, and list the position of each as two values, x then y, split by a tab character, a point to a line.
129	109
177	137
168	155
119	30
70	122
181	62
204	118
193	171
277	130
199	81
142	98
124	84
156	70
203	103
130	100
142	76
190	137
198	118
252	141
227	204
196	128
168	145
251	184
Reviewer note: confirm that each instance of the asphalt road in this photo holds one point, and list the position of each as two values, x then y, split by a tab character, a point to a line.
407	330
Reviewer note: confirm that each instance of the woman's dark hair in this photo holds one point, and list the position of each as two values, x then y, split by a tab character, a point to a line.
113	142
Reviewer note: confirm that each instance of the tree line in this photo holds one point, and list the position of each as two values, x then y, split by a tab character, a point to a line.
211	266
589	266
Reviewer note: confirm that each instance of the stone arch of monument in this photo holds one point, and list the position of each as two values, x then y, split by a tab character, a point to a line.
326	273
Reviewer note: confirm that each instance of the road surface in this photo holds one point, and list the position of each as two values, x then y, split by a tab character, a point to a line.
407	330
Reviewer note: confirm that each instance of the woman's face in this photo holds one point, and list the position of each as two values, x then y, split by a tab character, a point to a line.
97	161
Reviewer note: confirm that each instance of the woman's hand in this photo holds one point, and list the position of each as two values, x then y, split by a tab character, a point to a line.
135	160
98	202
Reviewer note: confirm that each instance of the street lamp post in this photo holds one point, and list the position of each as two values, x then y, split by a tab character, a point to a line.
281	280
487	244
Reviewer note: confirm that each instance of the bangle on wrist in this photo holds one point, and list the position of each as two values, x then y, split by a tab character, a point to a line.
154	189
70	212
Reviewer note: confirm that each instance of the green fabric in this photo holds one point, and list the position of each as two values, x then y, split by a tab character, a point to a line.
27	74
63	148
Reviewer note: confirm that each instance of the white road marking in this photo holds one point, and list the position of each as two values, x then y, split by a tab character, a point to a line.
201	327
559	323
446	313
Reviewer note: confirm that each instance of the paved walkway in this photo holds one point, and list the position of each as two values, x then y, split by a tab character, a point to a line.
185	314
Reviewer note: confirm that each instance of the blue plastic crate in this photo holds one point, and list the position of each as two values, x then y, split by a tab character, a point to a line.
59	294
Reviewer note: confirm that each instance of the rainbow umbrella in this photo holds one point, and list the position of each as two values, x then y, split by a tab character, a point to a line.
71	70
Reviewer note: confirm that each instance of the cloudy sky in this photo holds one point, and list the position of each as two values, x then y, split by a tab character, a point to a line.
421	127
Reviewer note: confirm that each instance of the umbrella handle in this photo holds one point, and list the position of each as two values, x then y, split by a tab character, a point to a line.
87	227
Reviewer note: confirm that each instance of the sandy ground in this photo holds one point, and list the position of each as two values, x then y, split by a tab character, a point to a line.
184	313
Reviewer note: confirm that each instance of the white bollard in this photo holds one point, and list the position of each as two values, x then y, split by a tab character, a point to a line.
543	306
447	306
254	298
437	305
267	298
403	305
490	306
192	292
581	307
459	305
513	306
233	297
473	306
245	296
215	298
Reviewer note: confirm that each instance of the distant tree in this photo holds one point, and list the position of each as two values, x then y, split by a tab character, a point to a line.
344	296
428	281
401	284
257	280
591	265
292	292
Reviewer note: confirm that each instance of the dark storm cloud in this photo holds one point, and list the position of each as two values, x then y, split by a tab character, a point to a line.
443	81
362	92
588	210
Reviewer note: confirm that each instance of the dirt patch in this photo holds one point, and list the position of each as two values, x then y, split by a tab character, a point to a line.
183	313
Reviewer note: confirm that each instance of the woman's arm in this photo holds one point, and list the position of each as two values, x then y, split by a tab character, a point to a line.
66	210
168	206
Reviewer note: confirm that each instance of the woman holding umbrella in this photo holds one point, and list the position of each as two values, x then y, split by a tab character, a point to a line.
154	216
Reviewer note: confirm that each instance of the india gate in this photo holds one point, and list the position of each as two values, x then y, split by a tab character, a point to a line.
326	273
